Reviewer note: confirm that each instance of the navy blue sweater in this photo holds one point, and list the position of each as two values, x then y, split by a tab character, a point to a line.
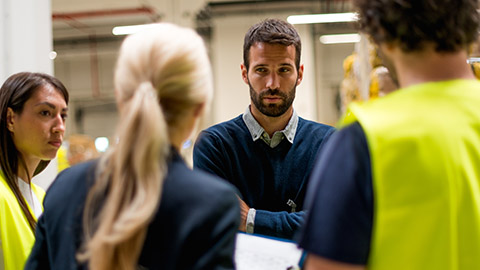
266	177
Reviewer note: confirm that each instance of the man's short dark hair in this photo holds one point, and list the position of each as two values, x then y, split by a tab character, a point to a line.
272	31
450	25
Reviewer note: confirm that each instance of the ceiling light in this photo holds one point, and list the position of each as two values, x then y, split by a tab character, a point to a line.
101	143
340	38
322	18
52	55
129	29
472	60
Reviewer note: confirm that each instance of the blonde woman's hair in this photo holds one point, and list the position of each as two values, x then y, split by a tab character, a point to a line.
161	74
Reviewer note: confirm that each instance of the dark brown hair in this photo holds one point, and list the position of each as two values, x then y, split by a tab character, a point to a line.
450	25
15	91
272	31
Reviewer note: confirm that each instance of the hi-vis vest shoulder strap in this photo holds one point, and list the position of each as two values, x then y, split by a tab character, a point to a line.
15	233
424	144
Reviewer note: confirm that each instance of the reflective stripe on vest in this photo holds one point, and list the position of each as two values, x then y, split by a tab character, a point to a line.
424	144
17	237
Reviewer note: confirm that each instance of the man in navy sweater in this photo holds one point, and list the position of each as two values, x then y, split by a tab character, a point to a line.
267	152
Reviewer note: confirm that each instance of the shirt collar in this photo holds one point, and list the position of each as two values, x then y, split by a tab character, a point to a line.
256	130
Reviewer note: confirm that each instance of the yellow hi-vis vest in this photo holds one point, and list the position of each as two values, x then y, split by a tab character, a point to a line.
424	144
16	236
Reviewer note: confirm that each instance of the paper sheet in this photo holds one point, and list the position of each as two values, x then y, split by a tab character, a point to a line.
254	252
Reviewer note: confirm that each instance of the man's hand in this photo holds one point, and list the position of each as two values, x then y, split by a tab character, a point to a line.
243	215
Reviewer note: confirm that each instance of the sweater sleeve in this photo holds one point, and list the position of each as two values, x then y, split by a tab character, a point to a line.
278	224
208	155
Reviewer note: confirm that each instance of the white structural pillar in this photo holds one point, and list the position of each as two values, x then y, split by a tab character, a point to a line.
25	45
25	37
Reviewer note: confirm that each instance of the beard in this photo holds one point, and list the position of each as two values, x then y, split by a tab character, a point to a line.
272	110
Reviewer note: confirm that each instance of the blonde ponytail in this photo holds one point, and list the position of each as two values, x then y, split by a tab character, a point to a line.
161	74
132	178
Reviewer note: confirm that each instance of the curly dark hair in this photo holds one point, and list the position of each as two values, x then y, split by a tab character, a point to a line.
450	25
272	31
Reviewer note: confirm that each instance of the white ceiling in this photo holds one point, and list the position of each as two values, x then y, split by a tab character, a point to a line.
74	19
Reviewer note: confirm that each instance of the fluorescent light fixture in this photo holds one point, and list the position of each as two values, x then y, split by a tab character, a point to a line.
472	60
322	18
101	143
52	55
129	29
340	38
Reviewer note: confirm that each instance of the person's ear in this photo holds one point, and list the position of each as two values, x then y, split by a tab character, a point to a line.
244	73
10	119
300	75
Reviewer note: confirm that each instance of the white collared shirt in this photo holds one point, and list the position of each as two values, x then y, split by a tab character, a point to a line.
258	132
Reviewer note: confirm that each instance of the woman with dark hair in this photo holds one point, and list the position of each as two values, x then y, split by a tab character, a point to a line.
33	109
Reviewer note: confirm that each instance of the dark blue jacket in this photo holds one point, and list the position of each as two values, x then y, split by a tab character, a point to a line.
266	177
194	228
